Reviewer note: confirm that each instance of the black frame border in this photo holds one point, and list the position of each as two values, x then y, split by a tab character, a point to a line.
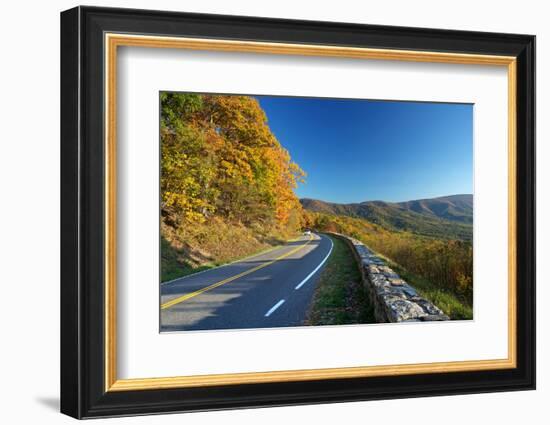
82	206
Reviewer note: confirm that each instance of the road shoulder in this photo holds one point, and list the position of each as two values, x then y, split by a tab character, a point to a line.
340	298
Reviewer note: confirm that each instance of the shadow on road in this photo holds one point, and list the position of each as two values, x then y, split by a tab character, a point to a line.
242	304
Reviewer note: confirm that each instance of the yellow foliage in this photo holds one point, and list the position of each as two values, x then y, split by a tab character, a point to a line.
219	158
446	263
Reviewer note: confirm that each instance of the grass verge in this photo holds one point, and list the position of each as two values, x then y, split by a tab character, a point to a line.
174	263
450	303
173	267
340	298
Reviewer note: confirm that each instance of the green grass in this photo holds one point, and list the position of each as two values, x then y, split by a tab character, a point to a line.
340	297
451	304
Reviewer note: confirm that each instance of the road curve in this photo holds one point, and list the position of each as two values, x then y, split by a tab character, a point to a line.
273	289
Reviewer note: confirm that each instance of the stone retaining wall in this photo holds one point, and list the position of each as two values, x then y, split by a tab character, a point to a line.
394	300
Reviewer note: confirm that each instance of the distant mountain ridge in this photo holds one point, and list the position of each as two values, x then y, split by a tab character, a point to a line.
454	207
446	216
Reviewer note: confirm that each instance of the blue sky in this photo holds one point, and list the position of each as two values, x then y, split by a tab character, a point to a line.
360	150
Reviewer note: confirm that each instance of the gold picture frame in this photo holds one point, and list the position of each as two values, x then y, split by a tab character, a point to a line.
114	41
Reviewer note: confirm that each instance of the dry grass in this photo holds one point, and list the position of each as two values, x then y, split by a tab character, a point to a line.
190	249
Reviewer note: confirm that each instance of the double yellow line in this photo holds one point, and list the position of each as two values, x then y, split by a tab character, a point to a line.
186	297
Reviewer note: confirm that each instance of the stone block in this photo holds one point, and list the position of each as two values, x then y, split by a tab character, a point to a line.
396	281
400	309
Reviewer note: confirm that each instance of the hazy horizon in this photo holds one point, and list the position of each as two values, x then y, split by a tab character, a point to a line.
387	201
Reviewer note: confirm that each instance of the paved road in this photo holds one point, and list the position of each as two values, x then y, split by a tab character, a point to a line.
273	289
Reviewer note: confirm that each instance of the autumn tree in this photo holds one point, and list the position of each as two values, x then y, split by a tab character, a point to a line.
219	157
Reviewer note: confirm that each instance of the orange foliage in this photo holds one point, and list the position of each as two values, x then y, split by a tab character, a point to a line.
220	158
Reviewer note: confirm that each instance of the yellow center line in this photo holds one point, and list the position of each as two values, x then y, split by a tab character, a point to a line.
185	297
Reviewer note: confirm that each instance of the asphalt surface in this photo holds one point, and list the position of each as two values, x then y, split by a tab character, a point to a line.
273	289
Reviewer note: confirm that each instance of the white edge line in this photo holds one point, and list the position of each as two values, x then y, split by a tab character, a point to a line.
275	307
316	268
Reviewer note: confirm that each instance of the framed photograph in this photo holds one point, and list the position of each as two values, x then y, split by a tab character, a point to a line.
261	212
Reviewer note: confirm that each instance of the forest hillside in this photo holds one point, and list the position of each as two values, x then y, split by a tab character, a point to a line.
448	217
227	184
440	268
